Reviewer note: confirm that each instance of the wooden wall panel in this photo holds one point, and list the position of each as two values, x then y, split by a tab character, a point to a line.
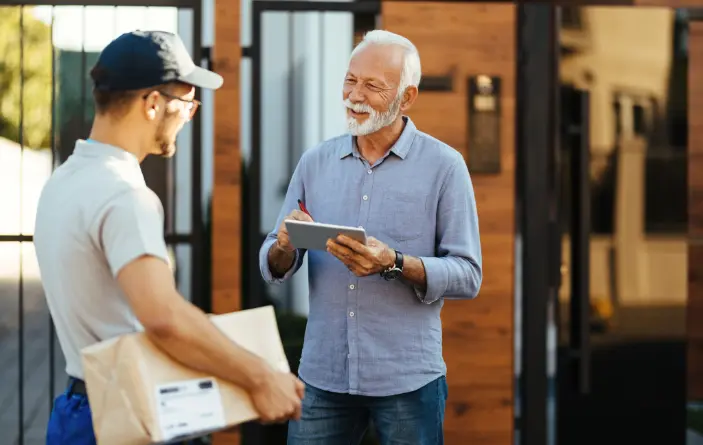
478	335
695	213
226	200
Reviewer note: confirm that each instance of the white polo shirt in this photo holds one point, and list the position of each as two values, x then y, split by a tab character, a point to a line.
95	215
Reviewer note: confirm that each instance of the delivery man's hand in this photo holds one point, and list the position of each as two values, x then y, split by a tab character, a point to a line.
279	398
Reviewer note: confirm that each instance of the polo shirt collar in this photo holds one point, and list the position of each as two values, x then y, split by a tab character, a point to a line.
94	149
400	148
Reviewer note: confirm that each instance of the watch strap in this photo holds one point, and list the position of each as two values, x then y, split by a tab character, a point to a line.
396	270
399	260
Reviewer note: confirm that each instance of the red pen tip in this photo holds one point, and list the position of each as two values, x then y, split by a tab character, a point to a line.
302	207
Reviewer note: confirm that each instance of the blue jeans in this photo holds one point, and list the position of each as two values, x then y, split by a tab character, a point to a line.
70	422
414	418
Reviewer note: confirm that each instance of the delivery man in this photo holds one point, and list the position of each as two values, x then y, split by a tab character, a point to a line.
100	243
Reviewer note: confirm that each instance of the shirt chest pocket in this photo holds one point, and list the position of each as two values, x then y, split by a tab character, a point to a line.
404	214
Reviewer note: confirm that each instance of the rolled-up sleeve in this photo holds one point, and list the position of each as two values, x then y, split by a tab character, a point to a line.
296	190
455	273
266	273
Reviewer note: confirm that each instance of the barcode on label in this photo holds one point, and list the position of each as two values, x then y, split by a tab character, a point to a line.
190	406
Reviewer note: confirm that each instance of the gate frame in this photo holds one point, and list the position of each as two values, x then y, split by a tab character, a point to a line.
251	278
252	287
195	239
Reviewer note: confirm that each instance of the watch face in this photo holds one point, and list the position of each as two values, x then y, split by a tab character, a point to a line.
392	274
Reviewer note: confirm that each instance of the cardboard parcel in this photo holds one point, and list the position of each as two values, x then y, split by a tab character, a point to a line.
139	395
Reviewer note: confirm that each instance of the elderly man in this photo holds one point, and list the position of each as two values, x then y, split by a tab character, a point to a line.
373	344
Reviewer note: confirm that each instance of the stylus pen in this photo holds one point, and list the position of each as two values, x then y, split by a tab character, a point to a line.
302	207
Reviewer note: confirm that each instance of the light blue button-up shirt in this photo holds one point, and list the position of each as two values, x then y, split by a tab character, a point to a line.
369	336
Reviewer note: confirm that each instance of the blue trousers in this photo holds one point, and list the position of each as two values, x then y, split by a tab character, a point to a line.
414	418
70	422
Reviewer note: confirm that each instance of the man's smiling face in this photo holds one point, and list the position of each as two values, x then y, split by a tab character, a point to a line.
371	95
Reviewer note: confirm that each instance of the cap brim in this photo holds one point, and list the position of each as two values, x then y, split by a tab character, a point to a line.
202	78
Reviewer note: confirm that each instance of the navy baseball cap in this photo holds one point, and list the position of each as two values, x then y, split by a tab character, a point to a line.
144	59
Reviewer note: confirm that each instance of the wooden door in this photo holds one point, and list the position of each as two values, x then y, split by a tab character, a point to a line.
462	40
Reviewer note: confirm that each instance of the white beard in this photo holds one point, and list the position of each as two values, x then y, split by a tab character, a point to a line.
375	121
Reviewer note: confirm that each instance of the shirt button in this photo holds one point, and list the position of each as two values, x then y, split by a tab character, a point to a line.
351	314
370	171
351	286
365	197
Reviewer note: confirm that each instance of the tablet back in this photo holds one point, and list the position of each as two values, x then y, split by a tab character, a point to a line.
314	236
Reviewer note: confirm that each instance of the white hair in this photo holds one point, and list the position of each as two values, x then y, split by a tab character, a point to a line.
412	70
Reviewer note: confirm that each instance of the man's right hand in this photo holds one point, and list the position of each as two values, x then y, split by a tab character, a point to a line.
279	398
283	239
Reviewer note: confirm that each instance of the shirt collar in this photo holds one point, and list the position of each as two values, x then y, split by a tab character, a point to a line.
94	149
400	148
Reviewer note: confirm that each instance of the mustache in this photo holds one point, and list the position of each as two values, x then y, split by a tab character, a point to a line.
358	108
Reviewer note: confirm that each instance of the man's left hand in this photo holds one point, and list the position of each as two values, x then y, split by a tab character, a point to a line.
363	260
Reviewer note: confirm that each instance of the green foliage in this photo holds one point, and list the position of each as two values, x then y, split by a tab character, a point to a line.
37	78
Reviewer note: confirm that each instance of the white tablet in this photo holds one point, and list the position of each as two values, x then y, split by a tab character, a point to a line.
314	236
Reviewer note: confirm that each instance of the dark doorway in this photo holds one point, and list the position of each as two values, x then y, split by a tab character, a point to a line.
619	322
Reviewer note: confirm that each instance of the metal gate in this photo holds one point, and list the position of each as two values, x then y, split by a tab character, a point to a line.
280	101
45	105
265	36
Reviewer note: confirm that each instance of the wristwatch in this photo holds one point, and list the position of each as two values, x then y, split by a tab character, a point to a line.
396	270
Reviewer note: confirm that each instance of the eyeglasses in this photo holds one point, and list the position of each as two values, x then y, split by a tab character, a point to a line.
191	105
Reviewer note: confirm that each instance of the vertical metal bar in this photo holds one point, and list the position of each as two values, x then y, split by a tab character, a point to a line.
292	115
52	389
536	37
252	432
172	194
21	245
169	195
197	216
84	68
291	93
254	186
555	183
170	172
321	17
555	242
580	252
